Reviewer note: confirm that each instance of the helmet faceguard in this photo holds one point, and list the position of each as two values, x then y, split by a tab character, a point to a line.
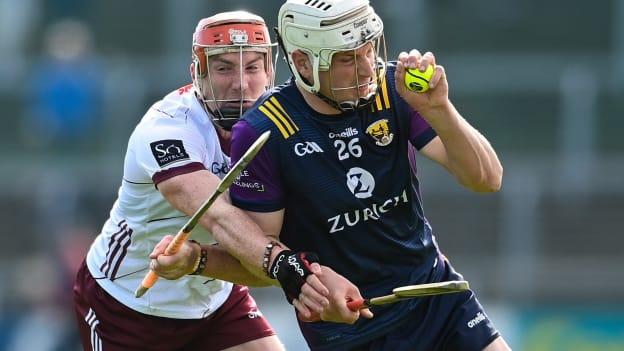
322	28
224	33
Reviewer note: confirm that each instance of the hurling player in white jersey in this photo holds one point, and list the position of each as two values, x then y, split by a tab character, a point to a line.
175	159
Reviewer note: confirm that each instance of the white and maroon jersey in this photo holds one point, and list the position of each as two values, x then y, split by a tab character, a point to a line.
175	136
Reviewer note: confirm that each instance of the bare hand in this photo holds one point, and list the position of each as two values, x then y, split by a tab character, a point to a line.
436	96
341	291
177	265
313	297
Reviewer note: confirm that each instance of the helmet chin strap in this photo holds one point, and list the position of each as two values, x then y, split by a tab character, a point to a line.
224	118
348	105
344	106
229	117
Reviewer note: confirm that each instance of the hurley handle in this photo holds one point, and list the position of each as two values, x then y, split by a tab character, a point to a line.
151	277
358	304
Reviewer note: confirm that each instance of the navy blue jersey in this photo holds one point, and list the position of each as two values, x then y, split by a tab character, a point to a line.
350	193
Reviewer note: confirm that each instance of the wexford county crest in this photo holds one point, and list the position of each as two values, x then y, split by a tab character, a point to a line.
380	132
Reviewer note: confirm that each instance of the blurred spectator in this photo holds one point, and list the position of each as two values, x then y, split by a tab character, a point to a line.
40	316
64	101
37	321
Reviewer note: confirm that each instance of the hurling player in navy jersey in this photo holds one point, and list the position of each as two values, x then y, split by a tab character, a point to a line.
175	159
338	177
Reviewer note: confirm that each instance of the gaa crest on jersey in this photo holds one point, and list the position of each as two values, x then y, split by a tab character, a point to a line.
168	151
380	131
306	148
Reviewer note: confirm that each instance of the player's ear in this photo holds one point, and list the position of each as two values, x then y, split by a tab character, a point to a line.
303	64
192	70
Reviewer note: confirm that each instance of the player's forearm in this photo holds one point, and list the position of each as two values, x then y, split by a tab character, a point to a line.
471	158
229	226
239	235
220	264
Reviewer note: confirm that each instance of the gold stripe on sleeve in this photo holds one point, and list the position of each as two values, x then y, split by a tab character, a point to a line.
279	106
281	117
275	121
378	102
384	91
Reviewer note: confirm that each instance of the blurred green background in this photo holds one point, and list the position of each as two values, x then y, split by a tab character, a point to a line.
544	81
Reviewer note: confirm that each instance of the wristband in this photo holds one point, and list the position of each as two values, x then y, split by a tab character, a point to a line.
266	257
291	270
200	265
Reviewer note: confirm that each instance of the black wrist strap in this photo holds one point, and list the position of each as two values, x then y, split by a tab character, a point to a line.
291	270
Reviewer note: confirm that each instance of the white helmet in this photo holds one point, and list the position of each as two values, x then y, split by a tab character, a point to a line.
321	28
227	32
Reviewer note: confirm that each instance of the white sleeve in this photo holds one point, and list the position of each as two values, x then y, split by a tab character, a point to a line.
166	144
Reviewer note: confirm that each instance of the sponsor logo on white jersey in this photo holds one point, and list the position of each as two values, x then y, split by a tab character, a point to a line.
360	182
372	212
168	151
480	317
220	168
308	147
347	133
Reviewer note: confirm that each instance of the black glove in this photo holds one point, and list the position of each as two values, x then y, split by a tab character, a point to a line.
291	269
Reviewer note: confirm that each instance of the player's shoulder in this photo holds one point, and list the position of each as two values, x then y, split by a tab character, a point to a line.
390	71
180	106
173	115
177	107
391	66
275	110
388	97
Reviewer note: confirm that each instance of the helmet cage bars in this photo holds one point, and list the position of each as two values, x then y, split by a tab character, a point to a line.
229	32
379	67
322	28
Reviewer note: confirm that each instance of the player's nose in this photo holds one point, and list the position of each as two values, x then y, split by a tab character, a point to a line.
241	82
365	68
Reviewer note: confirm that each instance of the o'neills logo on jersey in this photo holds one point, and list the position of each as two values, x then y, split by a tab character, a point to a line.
480	317
380	132
347	133
372	213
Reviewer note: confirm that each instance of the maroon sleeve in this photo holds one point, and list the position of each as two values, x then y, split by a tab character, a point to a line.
163	175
